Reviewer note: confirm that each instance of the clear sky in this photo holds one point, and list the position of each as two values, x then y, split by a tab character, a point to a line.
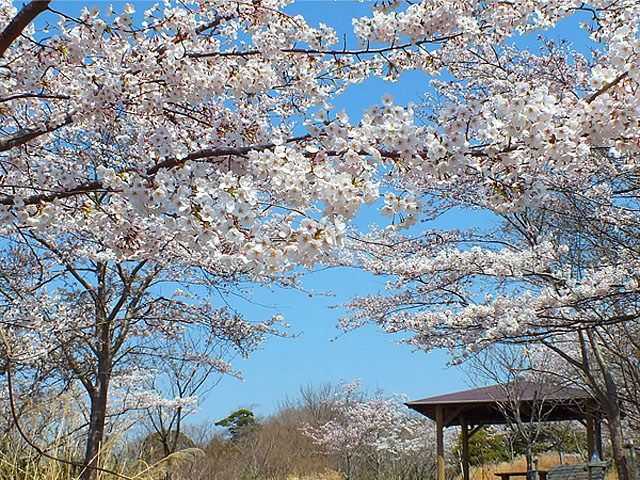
321	354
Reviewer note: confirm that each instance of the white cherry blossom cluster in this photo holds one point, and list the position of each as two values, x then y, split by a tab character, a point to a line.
362	423
445	295
181	124
172	104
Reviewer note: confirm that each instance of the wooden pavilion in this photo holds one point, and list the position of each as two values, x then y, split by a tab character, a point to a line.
471	409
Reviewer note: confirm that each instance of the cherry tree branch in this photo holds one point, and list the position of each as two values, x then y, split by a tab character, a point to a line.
25	135
170	163
608	86
335	53
24	17
19	96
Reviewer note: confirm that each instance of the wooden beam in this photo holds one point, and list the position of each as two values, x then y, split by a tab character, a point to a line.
597	424
452	415
440	442
590	431
465	448
475	430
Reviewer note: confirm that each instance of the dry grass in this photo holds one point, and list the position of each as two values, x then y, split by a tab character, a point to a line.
546	461
320	476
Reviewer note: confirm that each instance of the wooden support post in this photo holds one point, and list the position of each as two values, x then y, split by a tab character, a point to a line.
465	448
590	431
440	442
597	424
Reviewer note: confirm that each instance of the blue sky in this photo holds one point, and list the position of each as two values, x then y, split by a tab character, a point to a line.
321	354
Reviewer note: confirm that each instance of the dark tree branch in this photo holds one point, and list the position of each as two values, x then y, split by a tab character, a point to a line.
25	135
24	17
335	53
19	96
97	185
608	86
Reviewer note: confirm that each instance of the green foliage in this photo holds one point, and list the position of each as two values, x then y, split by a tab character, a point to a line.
552	436
485	446
239	422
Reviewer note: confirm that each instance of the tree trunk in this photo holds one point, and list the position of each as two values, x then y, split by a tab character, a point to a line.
348	473
608	398
98	416
531	475
611	404
615	431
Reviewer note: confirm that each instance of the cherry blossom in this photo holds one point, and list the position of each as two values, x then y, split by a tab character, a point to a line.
376	430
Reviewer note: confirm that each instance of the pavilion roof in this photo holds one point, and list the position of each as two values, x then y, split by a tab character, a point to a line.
490	405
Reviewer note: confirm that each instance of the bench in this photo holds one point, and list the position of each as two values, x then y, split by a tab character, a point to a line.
579	471
542	475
